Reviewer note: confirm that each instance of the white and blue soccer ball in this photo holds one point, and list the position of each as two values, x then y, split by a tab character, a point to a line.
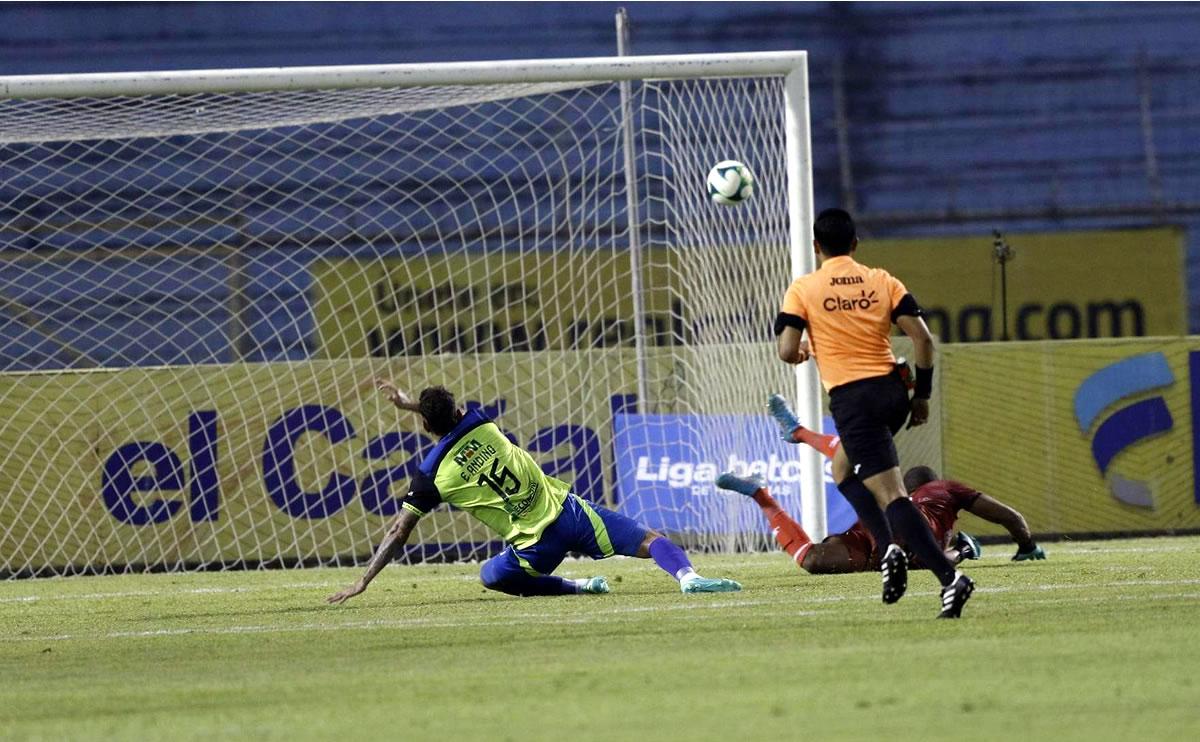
730	182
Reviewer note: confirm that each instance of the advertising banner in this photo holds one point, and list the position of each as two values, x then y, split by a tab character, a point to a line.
1080	436
667	465
1061	285
248	463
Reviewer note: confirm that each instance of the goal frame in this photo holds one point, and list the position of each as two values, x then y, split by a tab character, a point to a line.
791	65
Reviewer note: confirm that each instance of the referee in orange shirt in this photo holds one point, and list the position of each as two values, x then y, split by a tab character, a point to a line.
848	310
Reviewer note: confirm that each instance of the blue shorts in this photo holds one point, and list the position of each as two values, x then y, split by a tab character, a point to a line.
584	528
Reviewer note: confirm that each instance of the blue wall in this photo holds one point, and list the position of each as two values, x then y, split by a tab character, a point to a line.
961	117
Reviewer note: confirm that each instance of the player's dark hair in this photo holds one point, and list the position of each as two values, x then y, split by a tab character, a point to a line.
917	477
439	409
834	231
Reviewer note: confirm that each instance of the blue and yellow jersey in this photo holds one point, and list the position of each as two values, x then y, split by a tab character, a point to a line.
477	469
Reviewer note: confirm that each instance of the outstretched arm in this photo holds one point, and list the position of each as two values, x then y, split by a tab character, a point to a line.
396	397
994	511
396	537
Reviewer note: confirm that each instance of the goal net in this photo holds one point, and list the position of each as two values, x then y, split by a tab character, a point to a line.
204	272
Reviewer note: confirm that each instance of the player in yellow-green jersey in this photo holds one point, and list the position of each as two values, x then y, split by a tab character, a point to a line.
476	468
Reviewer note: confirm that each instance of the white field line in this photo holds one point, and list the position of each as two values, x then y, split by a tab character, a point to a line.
512	619
764	562
1062	548
170	592
673	612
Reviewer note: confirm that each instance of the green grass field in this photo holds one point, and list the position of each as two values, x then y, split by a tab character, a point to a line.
1099	642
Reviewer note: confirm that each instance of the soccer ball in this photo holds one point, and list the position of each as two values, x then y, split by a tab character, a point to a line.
730	182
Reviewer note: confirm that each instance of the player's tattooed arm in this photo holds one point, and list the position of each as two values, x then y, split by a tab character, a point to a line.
396	396
396	537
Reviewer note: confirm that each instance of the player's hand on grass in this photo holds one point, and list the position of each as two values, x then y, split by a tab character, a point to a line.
1028	554
342	596
918	412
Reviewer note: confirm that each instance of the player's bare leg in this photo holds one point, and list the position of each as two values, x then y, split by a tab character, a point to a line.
787	531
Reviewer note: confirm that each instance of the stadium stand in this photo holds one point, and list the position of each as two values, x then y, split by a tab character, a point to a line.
925	119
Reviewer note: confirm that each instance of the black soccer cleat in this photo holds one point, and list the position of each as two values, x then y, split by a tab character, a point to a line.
955	596
894	566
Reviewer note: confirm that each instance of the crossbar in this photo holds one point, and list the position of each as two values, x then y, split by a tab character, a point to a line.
184	82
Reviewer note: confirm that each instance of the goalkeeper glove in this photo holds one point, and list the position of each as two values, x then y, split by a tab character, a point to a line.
1026	555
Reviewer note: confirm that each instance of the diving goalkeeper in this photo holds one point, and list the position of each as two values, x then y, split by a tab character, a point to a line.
939	501
477	469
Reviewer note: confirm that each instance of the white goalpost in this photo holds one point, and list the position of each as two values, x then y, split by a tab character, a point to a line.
201	273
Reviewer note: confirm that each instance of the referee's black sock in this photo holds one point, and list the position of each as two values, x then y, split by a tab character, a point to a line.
915	532
868	510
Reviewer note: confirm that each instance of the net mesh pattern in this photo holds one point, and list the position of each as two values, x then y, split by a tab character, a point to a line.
197	292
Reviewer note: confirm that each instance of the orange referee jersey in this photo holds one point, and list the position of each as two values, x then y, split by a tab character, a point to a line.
847	308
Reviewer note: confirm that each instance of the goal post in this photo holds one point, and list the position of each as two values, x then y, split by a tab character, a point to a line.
201	272
803	260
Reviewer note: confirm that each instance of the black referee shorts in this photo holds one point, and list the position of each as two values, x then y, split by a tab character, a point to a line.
867	413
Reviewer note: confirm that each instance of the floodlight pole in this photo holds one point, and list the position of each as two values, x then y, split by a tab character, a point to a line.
1002	254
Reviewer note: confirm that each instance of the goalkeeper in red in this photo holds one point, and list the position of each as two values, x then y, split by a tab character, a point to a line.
477	469
939	501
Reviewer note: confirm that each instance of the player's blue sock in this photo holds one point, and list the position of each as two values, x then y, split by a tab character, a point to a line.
673	560
914	531
868	510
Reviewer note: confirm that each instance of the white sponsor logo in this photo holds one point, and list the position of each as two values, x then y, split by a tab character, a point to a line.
683	474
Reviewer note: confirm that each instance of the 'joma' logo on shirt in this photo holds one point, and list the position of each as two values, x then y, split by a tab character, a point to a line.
845	280
862	301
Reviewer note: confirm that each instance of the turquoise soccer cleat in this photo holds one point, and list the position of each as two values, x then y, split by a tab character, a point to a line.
784	417
968	546
1034	552
595	586
699	584
742	485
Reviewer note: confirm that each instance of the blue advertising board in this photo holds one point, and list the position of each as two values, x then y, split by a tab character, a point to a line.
667	464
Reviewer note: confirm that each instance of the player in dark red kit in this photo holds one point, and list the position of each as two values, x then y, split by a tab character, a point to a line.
939	501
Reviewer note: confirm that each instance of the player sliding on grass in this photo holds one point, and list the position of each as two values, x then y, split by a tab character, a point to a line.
477	469
853	550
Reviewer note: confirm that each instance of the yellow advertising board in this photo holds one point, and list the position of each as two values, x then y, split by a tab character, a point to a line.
271	462
538	301
1061	285
1081	436
466	302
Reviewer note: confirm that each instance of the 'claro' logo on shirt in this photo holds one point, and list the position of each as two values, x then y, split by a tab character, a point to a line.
846	304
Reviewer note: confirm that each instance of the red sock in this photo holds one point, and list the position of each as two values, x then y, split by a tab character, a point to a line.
787	532
826	444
